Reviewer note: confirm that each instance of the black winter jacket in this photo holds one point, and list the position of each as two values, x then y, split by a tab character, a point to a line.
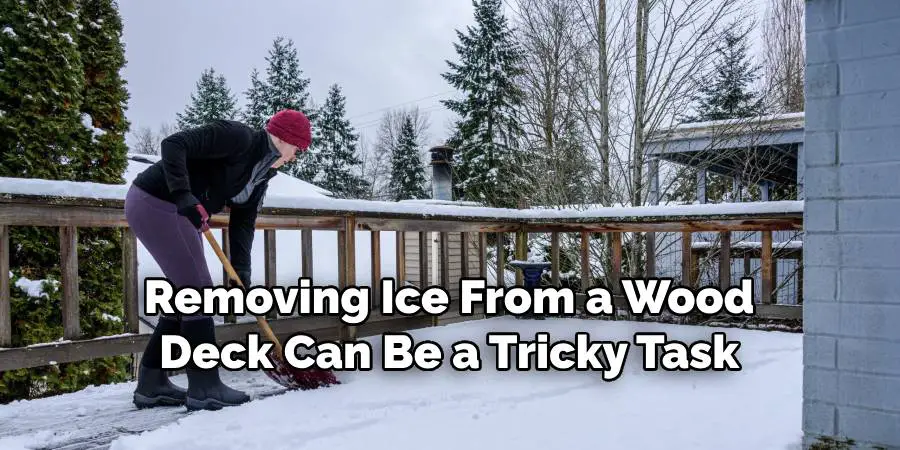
221	164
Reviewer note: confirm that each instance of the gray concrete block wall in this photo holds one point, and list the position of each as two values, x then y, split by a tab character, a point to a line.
852	215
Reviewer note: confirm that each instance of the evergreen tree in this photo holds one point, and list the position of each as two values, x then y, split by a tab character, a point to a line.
338	147
62	118
285	87
724	93
407	171
488	165
257	111
41	87
211	101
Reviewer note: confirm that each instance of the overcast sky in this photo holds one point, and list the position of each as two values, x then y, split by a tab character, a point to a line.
382	53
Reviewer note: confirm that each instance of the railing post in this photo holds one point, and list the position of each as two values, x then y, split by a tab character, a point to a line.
348	332
445	268
687	259
464	253
501	260
585	261
423	260
68	241
766	268
554	259
616	250
306	250
482	255
376	268
270	255
521	252
130	280
725	260
400	242
5	316
226	280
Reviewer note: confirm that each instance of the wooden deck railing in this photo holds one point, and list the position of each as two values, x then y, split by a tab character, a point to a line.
347	218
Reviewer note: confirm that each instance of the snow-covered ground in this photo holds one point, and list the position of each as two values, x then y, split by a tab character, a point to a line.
758	407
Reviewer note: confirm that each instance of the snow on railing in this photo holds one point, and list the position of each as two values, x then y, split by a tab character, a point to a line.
74	190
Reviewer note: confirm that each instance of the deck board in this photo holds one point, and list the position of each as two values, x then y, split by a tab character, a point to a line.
92	418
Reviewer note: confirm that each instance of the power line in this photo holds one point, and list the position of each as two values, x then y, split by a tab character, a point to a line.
399	104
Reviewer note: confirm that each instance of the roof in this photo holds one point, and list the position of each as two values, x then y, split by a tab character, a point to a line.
769	144
281	184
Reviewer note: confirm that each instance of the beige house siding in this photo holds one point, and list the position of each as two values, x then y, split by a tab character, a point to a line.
412	266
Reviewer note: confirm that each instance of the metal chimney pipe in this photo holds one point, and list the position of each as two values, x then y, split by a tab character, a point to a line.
441	189
442	179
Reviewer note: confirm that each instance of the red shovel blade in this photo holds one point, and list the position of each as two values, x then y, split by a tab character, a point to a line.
303	379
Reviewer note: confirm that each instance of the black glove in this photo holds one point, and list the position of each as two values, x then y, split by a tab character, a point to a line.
190	207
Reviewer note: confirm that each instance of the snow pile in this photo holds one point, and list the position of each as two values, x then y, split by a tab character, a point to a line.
447	409
34	288
88	121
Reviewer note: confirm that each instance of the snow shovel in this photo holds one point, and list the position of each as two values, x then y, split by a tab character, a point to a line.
283	373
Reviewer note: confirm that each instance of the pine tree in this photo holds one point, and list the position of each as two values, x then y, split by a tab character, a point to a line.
41	86
488	165
338	147
211	101
407	171
256	112
285	87
62	117
724	93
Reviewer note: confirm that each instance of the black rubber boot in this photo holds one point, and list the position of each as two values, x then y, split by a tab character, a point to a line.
205	388
154	387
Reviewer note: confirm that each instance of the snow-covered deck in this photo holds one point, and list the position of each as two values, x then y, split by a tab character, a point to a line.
758	407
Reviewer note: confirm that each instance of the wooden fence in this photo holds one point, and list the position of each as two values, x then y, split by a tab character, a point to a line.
69	213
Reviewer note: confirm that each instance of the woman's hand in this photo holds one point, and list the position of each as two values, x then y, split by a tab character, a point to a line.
195	212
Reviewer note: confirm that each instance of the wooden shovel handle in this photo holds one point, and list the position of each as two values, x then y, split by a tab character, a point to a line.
263	324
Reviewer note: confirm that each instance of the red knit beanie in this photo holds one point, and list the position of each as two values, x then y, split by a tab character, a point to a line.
292	127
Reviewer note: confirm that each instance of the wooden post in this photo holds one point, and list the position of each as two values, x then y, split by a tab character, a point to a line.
464	253
401	257
687	257
616	244
766	267
482	255
554	258
306	250
68	241
445	269
725	260
585	261
376	268
445	259
423	260
521	253
270	256
5	316
501	260
342	257
348	332
226	280
129	280
650	263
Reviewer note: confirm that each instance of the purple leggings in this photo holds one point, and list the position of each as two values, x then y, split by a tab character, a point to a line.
170	238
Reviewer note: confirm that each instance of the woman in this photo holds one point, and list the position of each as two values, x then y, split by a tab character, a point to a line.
202	171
